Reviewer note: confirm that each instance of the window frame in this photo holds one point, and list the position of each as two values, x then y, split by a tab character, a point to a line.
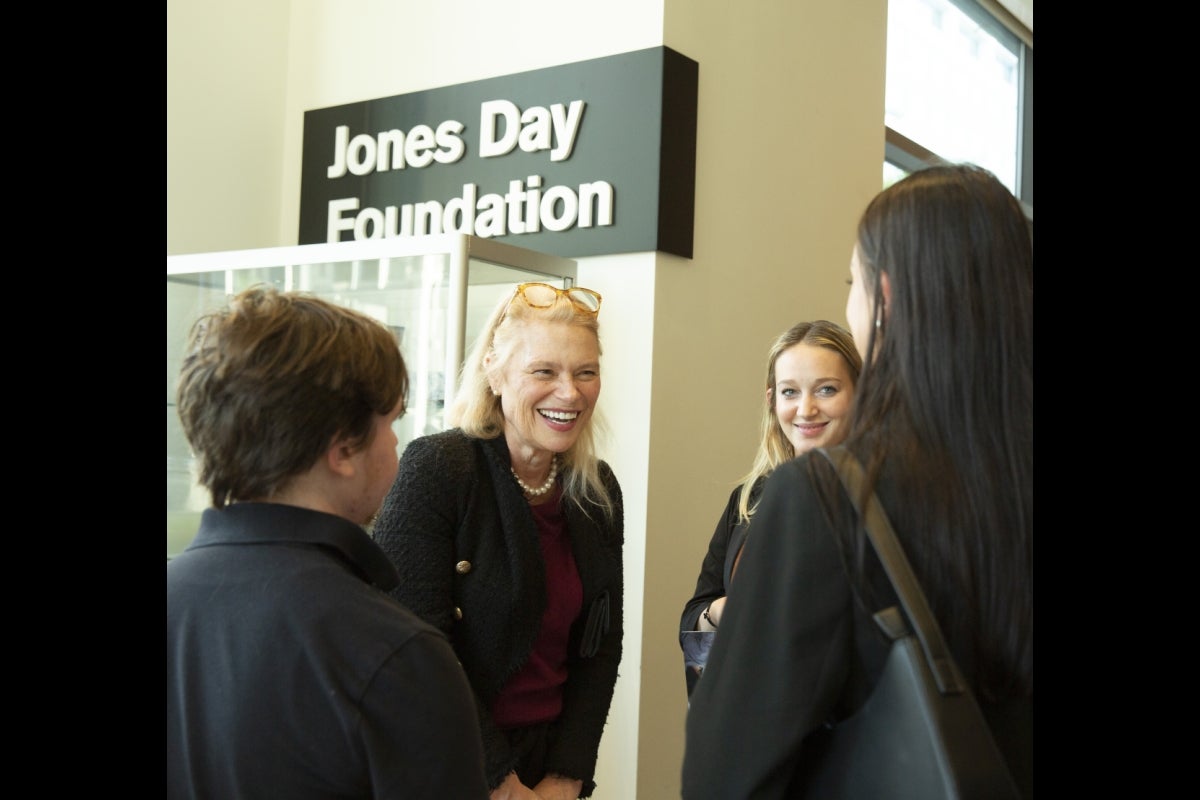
910	156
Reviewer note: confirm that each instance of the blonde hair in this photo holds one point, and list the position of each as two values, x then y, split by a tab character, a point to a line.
774	445
477	411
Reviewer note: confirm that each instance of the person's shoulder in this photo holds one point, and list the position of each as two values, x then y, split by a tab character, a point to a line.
408	623
755	488
608	476
792	478
371	612
791	468
448	438
452	444
809	462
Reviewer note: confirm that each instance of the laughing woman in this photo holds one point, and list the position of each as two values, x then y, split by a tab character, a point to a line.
507	532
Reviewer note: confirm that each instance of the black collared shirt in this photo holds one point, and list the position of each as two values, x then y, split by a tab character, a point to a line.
291	672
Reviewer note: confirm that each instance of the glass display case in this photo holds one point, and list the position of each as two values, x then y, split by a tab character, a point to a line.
435	292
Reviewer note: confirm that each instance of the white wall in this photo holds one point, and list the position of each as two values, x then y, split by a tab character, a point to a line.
226	85
790	148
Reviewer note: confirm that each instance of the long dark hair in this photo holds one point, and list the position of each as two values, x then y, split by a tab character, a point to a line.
944	406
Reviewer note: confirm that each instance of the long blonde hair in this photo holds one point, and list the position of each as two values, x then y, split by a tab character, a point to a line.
478	412
774	445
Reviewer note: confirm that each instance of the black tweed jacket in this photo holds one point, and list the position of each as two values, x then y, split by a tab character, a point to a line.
466	546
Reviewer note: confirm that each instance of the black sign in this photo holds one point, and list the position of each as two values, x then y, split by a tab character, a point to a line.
590	158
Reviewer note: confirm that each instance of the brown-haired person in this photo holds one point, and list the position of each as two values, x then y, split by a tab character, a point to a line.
508	530
290	671
941	308
811	371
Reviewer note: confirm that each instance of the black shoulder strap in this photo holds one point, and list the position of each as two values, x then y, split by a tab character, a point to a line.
916	608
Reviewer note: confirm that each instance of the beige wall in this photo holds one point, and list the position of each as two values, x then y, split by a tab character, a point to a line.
226	83
790	146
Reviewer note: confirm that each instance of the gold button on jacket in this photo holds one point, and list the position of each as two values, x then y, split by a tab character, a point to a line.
462	567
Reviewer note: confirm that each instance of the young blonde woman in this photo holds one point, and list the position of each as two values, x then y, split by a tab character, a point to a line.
811	371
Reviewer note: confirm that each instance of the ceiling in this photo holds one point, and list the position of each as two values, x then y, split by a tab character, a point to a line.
1021	9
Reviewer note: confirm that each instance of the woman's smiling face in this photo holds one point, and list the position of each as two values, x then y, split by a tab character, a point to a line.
813	389
549	386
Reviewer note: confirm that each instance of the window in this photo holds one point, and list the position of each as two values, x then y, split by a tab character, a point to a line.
960	88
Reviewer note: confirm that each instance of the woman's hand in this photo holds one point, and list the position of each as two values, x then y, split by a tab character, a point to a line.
513	789
556	787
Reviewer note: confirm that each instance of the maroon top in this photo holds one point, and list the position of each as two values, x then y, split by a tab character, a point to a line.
535	693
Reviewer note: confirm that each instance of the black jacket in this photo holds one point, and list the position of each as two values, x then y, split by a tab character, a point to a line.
466	546
797	647
291	673
716	569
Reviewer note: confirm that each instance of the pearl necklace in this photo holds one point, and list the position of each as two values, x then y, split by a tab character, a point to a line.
545	486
